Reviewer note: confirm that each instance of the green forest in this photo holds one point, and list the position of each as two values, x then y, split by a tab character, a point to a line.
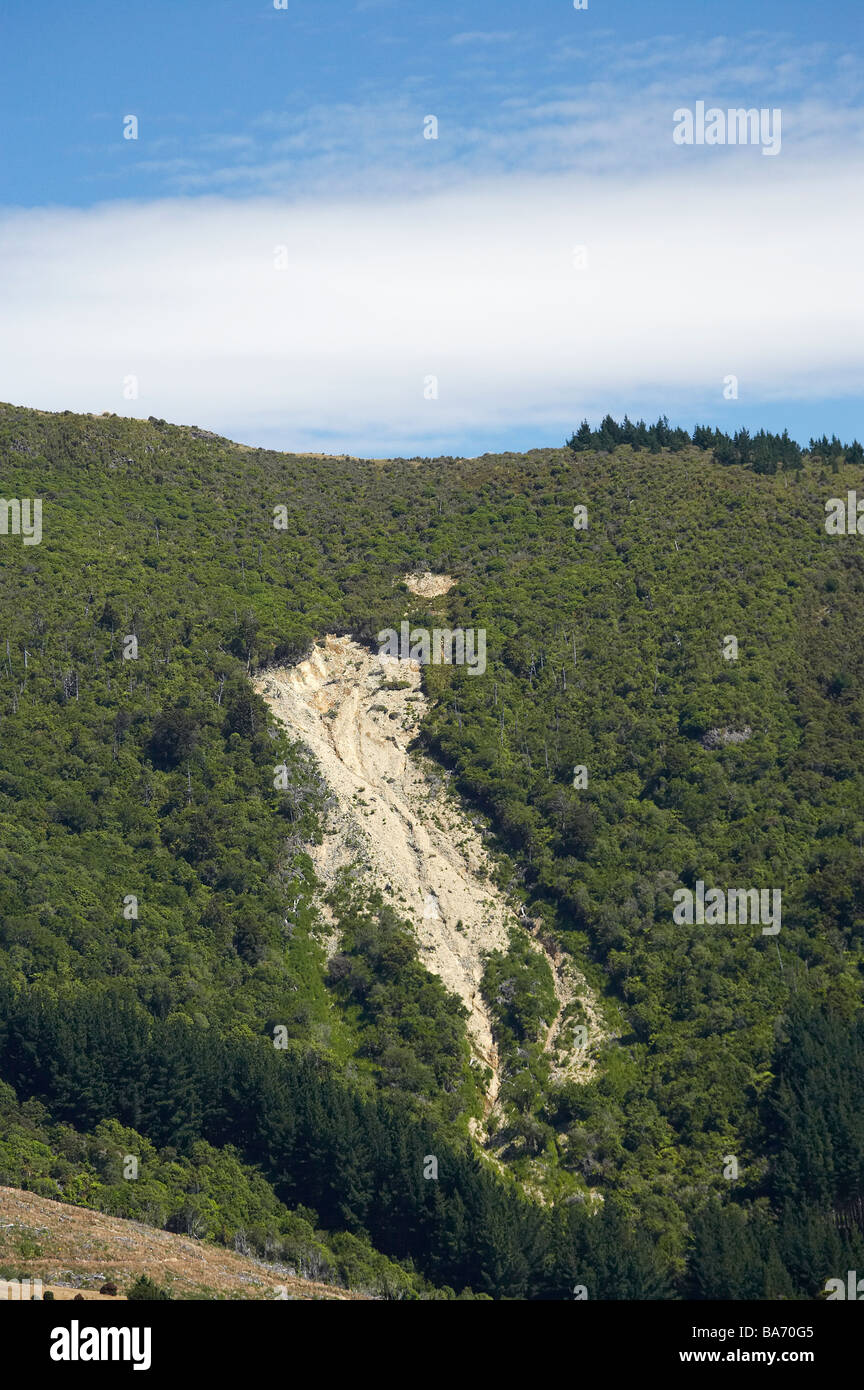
160	922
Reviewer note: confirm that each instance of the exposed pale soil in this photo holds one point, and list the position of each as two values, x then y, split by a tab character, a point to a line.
428	585
395	823
393	818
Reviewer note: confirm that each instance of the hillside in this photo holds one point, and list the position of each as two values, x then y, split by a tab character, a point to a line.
197	970
72	1250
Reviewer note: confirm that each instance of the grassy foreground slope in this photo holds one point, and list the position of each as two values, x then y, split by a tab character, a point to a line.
71	1250
150	777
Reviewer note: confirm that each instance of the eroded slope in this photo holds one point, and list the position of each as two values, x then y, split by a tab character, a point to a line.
392	817
393	821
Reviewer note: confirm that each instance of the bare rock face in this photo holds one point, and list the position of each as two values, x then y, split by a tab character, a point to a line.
716	738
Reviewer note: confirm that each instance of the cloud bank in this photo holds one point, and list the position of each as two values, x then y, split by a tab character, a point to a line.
322	323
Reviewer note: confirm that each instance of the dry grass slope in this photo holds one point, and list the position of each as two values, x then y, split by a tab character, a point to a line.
79	1250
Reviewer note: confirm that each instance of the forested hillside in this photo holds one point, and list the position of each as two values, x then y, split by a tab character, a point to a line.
158	912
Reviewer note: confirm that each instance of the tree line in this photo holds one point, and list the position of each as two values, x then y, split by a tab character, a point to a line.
764	451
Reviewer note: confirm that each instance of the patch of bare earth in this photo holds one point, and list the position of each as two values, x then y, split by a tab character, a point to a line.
80	1250
428	585
572	1054
394	822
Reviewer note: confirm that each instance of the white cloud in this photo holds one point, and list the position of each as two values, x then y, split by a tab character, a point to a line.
723	267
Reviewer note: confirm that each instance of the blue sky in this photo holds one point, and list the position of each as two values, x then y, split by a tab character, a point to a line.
554	130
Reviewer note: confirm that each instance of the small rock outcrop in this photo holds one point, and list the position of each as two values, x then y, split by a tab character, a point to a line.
716	738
